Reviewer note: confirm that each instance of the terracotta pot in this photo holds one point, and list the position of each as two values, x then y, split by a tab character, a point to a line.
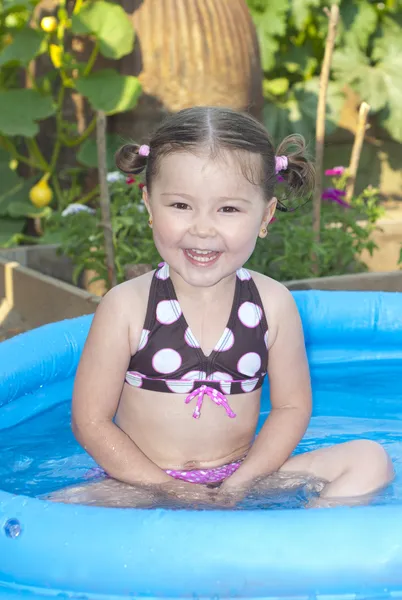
190	53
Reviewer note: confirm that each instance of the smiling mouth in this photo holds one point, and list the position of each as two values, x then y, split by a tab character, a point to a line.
201	257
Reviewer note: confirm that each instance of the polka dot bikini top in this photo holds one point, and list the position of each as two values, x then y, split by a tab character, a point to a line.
169	358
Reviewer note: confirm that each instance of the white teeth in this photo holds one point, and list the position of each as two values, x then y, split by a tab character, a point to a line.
198	255
195	251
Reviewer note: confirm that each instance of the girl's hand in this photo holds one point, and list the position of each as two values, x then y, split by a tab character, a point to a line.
188	494
229	495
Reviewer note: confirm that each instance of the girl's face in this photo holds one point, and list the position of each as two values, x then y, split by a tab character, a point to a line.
206	216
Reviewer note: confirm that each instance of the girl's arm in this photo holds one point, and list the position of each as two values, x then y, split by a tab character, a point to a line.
290	392
98	386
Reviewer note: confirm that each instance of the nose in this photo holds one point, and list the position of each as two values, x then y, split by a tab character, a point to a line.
203	227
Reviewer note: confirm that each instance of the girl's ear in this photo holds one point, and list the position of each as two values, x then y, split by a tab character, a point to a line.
270	210
267	217
145	199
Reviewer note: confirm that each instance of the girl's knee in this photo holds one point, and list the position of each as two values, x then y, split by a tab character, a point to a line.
373	457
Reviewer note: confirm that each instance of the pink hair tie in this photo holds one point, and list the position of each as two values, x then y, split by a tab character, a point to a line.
143	150
281	163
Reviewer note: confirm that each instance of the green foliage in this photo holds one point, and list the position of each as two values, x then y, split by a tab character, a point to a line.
368	58
88	152
81	234
109	23
109	32
345	232
108	91
14	203
15	120
26	44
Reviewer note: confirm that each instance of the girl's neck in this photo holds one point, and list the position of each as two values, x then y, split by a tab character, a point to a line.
224	287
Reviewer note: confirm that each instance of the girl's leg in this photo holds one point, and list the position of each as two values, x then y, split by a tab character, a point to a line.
108	492
112	493
351	470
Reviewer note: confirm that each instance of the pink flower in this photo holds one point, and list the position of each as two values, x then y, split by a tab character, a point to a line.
130	180
335	172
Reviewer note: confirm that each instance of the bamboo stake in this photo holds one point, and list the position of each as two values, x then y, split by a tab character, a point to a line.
357	150
104	196
333	15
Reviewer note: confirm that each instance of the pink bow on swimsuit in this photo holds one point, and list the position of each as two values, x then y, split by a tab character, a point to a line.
217	397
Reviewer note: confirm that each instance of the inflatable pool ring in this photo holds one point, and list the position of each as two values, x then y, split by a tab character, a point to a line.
68	551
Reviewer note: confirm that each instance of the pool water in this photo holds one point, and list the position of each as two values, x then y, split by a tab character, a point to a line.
41	455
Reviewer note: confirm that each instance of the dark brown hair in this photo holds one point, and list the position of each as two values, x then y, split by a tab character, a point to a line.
217	129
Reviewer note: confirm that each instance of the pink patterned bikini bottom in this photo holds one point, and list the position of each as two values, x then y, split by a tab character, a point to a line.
204	476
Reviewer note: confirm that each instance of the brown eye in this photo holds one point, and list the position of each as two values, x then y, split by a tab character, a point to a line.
181	205
229	209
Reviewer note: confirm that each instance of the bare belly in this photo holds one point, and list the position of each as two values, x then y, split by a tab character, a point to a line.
163	427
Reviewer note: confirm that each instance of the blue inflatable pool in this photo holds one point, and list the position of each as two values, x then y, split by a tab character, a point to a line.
354	343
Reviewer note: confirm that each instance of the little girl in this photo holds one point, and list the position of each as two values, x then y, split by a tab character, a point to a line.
167	393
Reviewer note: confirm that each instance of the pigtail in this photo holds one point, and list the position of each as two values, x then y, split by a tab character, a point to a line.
299	174
129	159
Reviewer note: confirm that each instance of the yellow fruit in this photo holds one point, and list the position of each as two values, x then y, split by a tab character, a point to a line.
41	195
55	55
49	24
13	164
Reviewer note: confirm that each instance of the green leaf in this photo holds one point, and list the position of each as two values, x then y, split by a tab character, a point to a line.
20	109
381	84
276	87
389	51
110	92
9	228
27	209
51	237
298	114
390	26
301	11
300	59
351	66
270	24
359	20
284	118
25	46
269	46
9	179
18	193
110	24
307	96
88	154
16	5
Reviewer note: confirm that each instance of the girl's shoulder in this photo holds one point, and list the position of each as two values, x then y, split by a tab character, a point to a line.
128	300
269	288
133	291
278	302
125	305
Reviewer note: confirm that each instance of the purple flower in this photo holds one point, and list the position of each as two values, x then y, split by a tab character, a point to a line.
280	179
335	195
335	172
